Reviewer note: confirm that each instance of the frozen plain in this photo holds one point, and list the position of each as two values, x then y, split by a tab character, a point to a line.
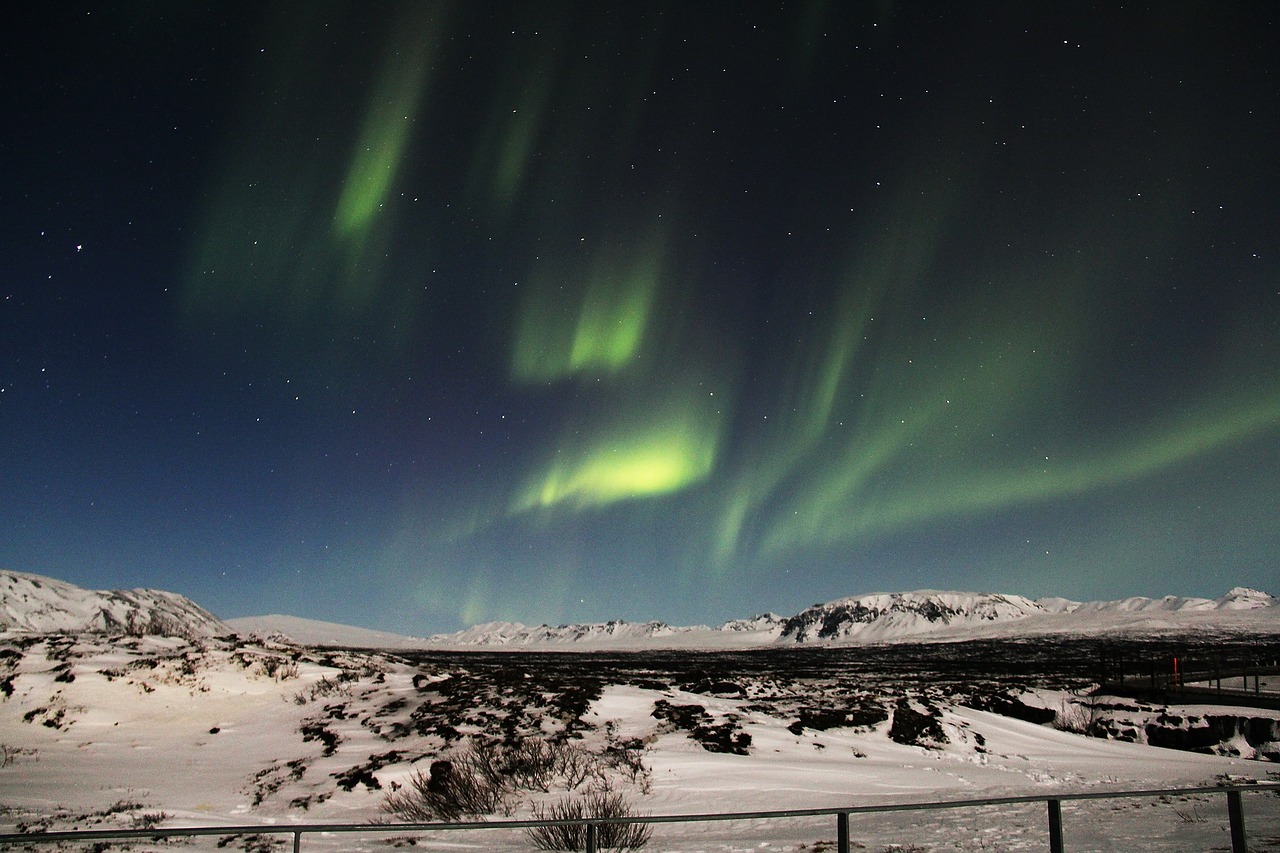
116	732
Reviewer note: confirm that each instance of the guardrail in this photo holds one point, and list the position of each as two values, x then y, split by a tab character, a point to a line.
1053	803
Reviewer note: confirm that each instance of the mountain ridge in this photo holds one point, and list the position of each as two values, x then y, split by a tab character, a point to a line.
924	615
39	604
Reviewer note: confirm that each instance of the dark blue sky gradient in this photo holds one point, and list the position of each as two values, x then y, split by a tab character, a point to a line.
415	315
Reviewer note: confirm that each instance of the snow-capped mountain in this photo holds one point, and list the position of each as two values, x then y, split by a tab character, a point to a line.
43	605
738	633
1240	598
516	634
34	603
765	623
888	616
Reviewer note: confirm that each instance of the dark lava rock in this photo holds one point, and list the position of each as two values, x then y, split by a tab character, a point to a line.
1010	706
821	719
915	728
701	726
716	688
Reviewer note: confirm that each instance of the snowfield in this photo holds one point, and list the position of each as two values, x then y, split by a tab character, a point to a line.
105	732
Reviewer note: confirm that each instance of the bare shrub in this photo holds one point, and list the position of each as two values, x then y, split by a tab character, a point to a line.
148	820
1190	811
325	687
10	753
1078	713
453	789
530	764
626	757
272	666
573	836
630	765
485	778
253	843
119	807
575	767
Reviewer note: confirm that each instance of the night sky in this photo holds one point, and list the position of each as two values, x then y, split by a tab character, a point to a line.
416	315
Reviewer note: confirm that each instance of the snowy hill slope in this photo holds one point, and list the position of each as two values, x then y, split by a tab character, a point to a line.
889	616
314	632
37	604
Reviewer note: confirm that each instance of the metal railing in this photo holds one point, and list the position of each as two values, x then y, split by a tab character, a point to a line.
1053	803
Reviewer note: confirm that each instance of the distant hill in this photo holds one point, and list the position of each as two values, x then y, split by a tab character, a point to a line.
33	603
889	617
38	604
314	632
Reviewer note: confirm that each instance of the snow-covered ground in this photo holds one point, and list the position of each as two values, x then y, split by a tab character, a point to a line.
298	721
105	733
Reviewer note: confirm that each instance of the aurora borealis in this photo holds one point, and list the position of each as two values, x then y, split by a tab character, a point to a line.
413	315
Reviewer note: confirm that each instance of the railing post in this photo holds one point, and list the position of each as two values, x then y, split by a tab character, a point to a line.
842	832
591	838
1055	826
1235	810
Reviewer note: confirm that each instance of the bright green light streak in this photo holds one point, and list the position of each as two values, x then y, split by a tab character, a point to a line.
826	376
962	493
476	604
519	131
372	169
816	407
513	163
517	118
643	454
384	134
651	463
602	331
612	324
926	413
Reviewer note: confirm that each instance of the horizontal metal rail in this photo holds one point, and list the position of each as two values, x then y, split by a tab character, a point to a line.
1053	802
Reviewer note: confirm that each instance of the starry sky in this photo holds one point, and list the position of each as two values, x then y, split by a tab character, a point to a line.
414	315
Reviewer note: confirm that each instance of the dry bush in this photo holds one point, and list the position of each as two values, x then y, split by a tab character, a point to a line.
485	779
530	764
452	790
10	753
1079	713
573	836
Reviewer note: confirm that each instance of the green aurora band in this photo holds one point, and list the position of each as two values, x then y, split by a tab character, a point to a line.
392	110
905	402
653	452
604	331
